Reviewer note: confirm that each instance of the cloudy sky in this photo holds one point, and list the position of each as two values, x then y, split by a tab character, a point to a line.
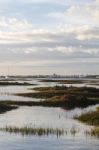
49	36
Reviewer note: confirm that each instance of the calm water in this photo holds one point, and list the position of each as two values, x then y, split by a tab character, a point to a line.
43	117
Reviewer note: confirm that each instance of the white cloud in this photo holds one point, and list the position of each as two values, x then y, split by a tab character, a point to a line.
14	30
49	32
20	36
93	9
43	1
87	14
14	24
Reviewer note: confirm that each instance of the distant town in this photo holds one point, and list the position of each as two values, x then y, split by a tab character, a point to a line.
49	76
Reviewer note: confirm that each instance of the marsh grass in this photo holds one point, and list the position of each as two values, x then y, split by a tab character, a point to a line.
95	132
50	92
25	131
73	131
62	96
91	118
66	102
59	96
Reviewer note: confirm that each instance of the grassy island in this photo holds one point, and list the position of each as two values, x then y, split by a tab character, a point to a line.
62	96
57	96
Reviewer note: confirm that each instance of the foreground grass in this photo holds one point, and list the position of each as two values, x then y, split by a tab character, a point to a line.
33	131
91	118
24	131
95	132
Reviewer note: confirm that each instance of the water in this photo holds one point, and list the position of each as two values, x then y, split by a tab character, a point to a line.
7	92
46	118
16	142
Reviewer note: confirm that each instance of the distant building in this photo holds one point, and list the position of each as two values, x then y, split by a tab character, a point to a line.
54	75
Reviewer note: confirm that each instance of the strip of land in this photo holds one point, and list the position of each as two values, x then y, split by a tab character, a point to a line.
62	96
4	108
52	92
58	96
15	83
64	81
72	81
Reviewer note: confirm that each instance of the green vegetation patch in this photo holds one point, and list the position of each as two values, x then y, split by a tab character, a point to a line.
62	96
91	118
95	132
49	92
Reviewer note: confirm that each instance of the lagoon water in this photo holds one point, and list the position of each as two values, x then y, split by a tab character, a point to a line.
46	118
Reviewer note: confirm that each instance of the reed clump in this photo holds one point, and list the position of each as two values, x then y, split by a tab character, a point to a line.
95	132
33	131
27	131
91	118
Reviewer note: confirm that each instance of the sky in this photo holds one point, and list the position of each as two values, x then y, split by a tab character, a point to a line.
49	36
